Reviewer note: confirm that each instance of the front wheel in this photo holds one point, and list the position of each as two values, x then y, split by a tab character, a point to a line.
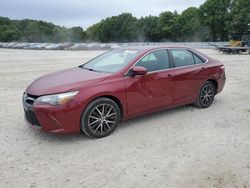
100	118
206	95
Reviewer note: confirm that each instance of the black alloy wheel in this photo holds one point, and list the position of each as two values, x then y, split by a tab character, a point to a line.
206	96
100	118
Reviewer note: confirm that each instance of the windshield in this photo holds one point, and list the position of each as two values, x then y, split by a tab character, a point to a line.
112	61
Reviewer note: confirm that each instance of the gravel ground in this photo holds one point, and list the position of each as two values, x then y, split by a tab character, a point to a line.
182	147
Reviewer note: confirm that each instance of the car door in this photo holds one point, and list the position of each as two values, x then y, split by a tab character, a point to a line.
188	76
152	90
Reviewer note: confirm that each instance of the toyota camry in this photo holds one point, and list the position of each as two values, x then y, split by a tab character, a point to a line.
121	84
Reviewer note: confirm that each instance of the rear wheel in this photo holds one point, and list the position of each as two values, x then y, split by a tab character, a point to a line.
206	95
100	118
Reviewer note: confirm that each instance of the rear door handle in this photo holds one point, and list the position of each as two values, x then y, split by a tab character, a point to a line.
169	75
203	68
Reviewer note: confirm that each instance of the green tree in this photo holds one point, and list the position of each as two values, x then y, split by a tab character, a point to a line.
9	34
215	14
76	34
240	13
189	22
165	23
121	28
60	34
38	31
33	33
93	32
5	21
147	29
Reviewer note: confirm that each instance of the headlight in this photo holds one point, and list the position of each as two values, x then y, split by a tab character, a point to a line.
57	99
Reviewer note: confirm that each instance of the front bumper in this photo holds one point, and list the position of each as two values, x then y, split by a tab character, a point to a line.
55	119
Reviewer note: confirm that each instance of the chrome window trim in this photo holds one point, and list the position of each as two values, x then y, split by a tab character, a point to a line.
173	68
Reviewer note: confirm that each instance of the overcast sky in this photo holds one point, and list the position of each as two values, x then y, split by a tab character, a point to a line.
87	12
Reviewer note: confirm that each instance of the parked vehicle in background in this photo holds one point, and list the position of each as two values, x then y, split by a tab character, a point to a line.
237	45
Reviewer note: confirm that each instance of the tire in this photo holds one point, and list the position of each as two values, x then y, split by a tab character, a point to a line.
239	52
100	118
206	95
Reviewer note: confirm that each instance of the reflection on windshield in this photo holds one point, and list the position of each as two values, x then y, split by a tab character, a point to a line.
112	61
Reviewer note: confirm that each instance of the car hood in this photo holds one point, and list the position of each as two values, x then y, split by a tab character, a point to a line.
64	81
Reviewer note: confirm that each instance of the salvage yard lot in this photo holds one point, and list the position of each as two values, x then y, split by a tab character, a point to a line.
182	147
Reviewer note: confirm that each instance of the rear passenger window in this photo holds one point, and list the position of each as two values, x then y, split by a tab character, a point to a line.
182	57
197	59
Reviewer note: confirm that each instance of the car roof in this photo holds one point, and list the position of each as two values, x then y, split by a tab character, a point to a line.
147	48
151	47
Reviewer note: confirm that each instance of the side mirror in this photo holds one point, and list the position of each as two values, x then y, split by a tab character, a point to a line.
137	70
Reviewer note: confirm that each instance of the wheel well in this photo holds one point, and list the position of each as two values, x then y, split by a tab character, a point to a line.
117	101
215	83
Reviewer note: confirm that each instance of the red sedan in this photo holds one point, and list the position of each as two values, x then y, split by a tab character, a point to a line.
121	84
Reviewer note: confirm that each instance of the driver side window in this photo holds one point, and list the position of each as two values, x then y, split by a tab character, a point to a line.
157	60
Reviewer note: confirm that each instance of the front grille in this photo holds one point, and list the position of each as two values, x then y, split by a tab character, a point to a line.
28	101
31	118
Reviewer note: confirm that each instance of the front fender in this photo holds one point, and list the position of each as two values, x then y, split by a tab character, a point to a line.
111	88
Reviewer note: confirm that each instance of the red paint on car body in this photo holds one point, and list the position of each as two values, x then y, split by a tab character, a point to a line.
136	95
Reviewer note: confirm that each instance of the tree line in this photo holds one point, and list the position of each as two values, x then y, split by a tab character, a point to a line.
215	20
38	31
